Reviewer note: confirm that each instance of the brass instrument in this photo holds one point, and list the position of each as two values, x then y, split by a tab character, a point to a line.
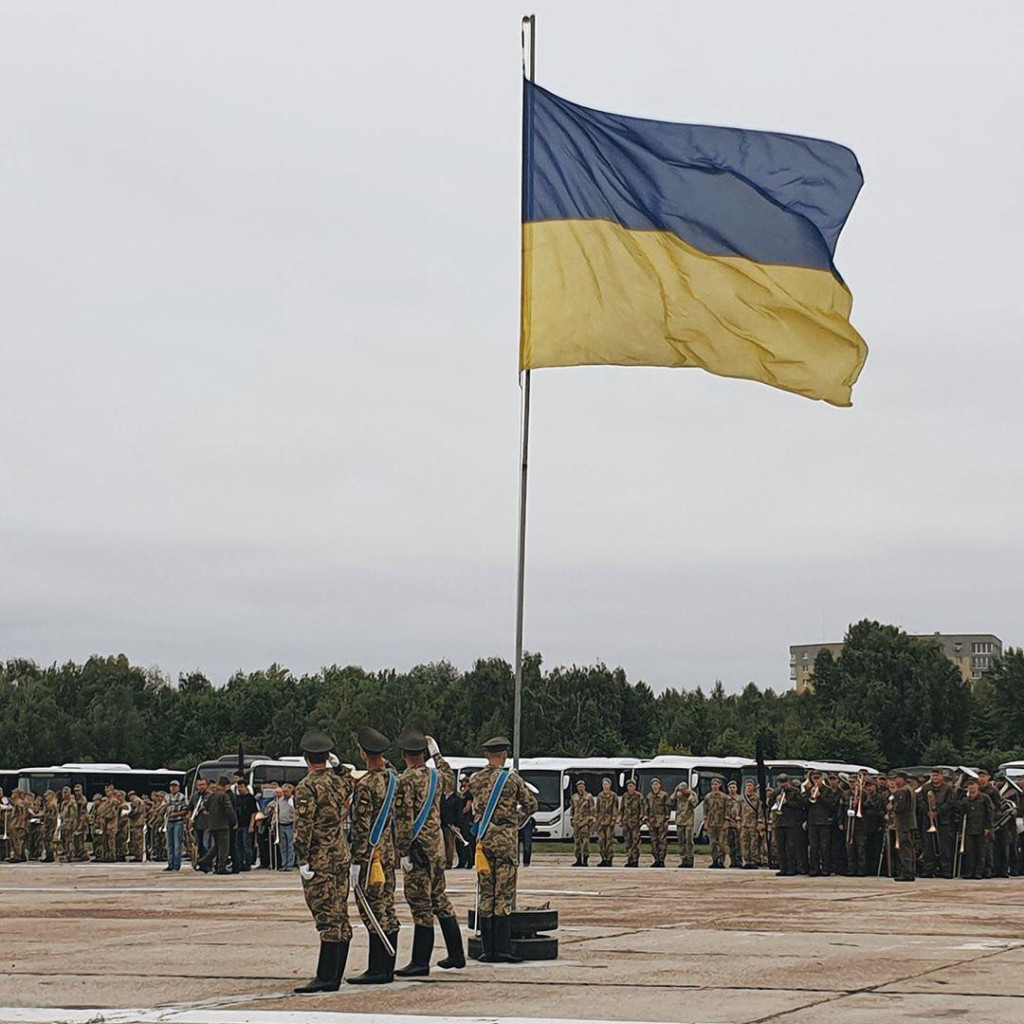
1008	810
933	814
815	793
6	810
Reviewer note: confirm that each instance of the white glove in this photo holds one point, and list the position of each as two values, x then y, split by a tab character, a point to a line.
332	760
353	876
305	873
851	813
432	746
407	863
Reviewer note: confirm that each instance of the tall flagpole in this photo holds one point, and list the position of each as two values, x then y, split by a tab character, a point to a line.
529	67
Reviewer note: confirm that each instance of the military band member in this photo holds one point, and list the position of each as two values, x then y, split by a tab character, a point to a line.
987	789
321	807
6	810
684	800
789	822
904	821
631	816
373	854
752	826
939	807
420	846
605	814
821	816
716	805
583	811
977	810
499	798
657	812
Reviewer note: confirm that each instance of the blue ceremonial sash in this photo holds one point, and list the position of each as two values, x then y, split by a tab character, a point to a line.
492	804
385	811
421	818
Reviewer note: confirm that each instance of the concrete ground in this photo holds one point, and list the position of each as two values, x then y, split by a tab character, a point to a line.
636	945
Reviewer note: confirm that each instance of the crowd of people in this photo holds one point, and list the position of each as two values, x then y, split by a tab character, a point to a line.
898	826
894	826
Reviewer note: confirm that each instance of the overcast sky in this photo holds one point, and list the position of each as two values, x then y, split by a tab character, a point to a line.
259	326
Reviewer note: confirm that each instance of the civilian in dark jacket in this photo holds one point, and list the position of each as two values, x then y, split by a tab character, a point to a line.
221	819
241	846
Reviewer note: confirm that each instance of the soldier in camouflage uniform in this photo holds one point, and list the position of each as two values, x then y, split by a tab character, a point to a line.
605	816
157	827
498	846
51	818
78	852
123	814
732	825
367	805
136	827
68	825
321	850
716	804
422	853
658	809
751	826
18	826
583	810
684	800
631	817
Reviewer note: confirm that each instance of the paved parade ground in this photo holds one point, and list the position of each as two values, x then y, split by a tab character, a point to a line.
636	945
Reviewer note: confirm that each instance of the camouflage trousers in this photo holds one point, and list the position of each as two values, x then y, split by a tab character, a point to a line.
751	846
732	843
110	842
326	896
606	841
78	847
135	843
381	898
498	886
631	839
17	836
581	841
684	833
158	844
424	892
716	836
659	842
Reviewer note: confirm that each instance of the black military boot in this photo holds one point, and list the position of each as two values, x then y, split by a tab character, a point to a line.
389	959
487	956
503	941
329	969
578	862
376	972
453	943
422	946
586	861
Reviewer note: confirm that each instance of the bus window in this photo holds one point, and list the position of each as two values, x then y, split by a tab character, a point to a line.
548	784
704	778
670	778
592	777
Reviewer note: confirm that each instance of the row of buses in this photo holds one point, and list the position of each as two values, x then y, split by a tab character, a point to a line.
553	779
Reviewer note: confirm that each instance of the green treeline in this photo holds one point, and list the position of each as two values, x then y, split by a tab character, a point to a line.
888	700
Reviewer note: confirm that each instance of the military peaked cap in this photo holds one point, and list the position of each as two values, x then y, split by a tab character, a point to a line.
496	743
900	775
315	741
373	742
412	740
222	781
783	777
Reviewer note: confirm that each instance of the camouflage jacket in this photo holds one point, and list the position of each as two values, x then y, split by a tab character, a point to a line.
502	837
321	807
685	804
715	805
607	807
370	792
751	811
659	806
68	816
732	810
411	795
583	810
631	811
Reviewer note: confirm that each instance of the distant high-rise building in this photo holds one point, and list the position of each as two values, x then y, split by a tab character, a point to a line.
972	653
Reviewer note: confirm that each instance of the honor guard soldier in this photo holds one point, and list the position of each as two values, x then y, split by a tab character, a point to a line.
751	826
582	823
684	800
607	809
373	856
421	788
321	807
499	797
631	816
659	807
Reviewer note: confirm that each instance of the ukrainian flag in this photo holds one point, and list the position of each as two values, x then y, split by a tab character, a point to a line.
655	244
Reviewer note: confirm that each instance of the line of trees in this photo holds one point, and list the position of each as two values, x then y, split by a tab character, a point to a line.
889	699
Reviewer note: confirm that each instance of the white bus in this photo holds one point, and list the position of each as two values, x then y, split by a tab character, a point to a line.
94	778
555	778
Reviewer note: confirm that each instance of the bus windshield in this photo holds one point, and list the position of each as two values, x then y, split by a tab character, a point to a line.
548	784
